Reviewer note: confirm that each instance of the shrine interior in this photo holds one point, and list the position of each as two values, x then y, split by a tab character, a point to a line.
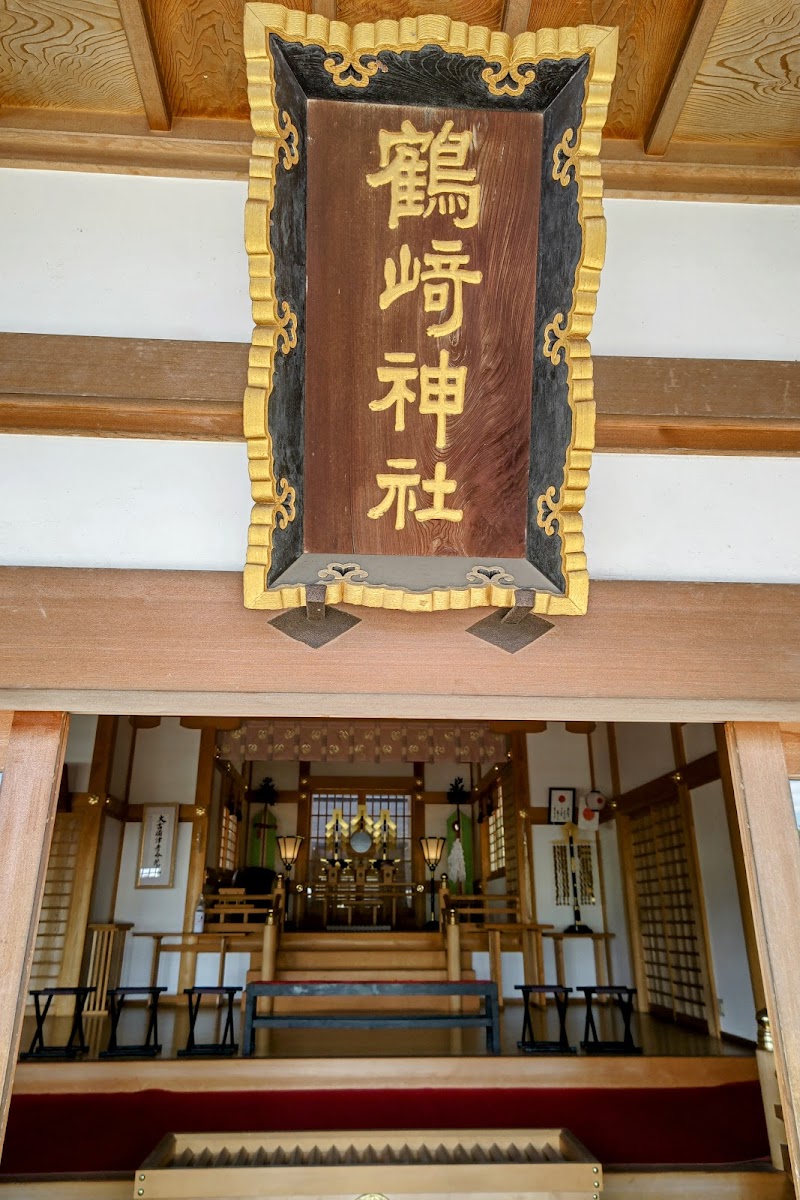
194	856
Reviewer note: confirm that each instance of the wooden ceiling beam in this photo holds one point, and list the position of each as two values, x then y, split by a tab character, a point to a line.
220	149
142	45
85	386
99	640
684	73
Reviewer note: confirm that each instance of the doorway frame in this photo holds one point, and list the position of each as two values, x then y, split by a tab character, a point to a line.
148	642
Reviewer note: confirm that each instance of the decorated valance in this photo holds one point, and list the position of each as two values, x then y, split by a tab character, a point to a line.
362	742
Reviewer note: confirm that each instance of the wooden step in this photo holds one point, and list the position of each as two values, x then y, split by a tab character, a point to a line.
419	960
358	940
369	972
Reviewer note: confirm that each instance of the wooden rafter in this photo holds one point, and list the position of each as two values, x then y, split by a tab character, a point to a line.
85	385
684	73
516	15
142	46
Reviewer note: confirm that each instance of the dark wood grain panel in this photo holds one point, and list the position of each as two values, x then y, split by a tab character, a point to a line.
486	451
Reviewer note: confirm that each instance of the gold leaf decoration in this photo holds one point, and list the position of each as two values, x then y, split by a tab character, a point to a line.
289	144
548	510
508	79
287	328
555	339
565	157
352	71
285	509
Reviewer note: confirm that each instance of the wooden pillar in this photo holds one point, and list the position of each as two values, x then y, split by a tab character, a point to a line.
32	757
772	864
748	925
103	755
453	936
197	858
522	797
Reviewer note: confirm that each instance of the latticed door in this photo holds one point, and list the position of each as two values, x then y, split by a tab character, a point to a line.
673	946
48	953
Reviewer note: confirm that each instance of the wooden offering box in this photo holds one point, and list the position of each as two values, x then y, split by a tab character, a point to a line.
535	1164
425	236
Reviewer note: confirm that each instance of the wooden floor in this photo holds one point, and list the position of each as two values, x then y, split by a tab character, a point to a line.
323	1058
658	1038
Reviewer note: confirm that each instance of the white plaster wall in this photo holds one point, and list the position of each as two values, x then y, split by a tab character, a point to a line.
123	256
286	823
616	921
79	751
154	909
578	953
698	740
134	256
165	764
645	752
511	965
285	775
728	951
602	759
556	758
439	776
794	787
103	896
186	505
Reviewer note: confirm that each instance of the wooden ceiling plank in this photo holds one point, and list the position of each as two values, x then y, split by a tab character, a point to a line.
684	73
142	46
324	8
131	387
516	15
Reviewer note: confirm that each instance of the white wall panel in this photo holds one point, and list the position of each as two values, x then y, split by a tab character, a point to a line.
123	256
128	256
94	502
688	280
725	929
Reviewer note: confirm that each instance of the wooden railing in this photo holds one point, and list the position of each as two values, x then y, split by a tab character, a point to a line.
492	922
231	911
105	962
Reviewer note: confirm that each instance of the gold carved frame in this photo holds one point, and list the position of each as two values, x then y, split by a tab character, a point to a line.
274	333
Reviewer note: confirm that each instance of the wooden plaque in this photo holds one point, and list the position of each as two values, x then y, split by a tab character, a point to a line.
425	235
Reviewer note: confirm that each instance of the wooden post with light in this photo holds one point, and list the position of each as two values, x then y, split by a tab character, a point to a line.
432	851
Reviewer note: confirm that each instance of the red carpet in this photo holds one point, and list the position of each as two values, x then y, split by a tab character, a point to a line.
115	1132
